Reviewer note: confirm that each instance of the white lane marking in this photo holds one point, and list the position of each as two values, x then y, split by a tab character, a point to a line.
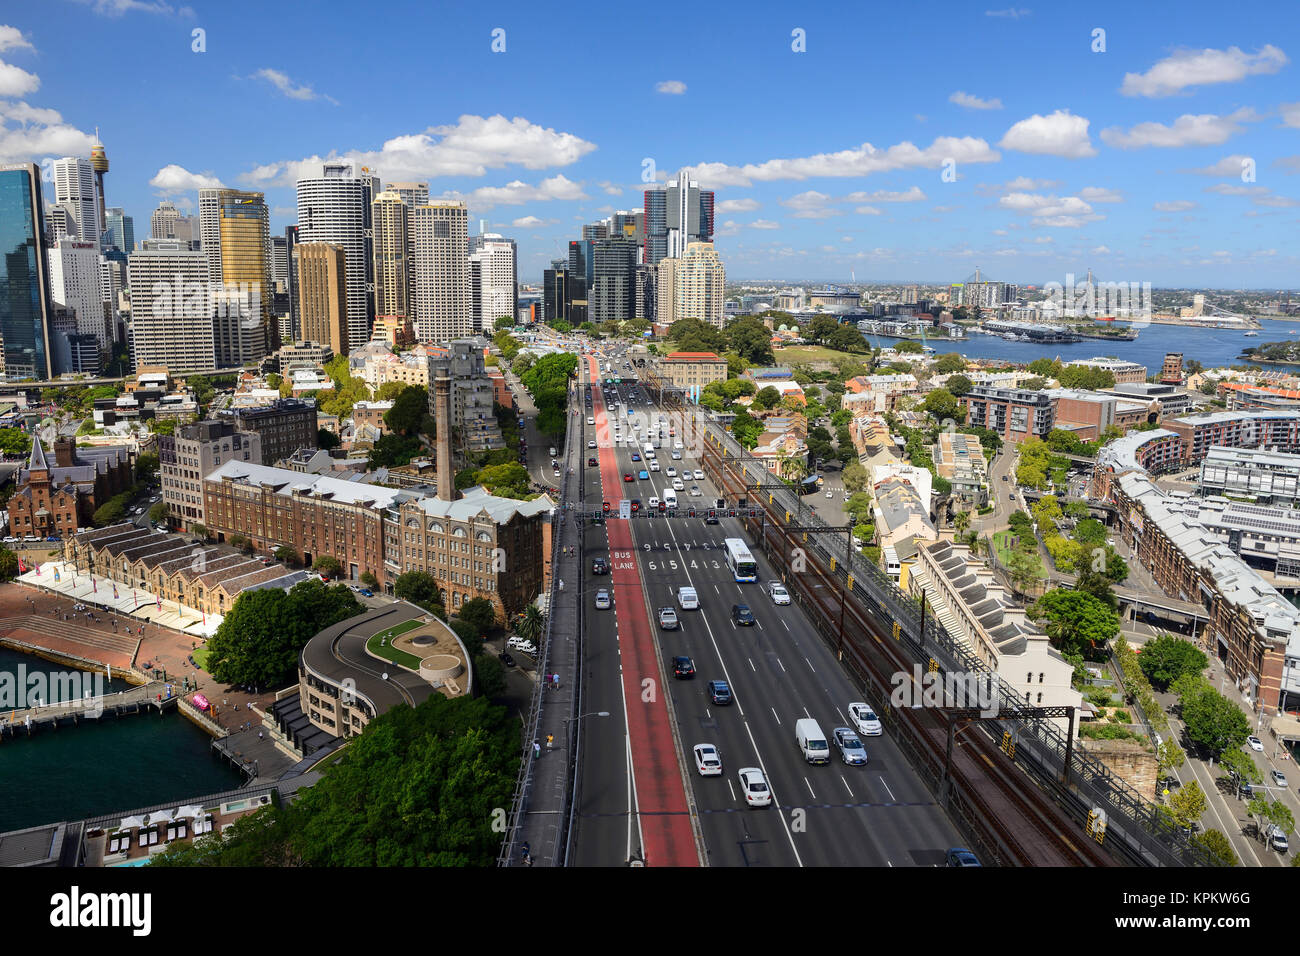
810	789
782	666
731	788
810	667
846	785
751	664
785	625
774	714
887	790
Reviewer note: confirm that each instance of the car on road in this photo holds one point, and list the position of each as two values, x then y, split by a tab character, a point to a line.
865	719
829	493
627	476
754	787
1011	497
591	462
527	648
603	601
699	475
643	475
668	619
654	466
1255	743
1004	478
711	519
1276	837
671	472
777	592
366	592
507	660
677	485
720	692
599	566
591	443
960	856
677	456
695	491
1279	778
683	668
742	615
688	599
590	420
707	760
635	456
850	747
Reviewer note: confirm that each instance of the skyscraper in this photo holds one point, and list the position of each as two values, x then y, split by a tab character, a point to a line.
121	229
24	277
321	289
74	187
613	288
441	306
75	283
291	240
391	232
171	309
498	288
413	194
676	215
168	222
691	286
335	208
236	242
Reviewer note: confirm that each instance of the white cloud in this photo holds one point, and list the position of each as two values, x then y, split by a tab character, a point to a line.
1010	13
1289	163
516	193
15	81
1051	211
1290	114
177	179
867	211
738	205
884	195
811	205
1230	166
1230	189
1276	202
1101	250
611	189
860	161
1201	68
471	147
1100	194
1060	134
672	87
286	86
764	224
528	222
1204	129
29	133
972	102
11	38
117	8
1174	205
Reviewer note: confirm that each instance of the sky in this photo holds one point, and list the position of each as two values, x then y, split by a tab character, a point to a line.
1152	142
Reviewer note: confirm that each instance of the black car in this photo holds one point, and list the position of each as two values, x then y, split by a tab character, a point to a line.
742	615
599	519
599	566
719	692
507	660
711	519
591	462
683	668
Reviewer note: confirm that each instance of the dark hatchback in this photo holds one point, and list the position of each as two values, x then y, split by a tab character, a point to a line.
719	692
742	615
683	668
599	566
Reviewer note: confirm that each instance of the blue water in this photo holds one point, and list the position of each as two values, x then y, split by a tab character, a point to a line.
1211	347
102	767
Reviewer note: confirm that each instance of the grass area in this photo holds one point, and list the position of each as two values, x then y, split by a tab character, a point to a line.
1002	544
796	354
201	657
381	645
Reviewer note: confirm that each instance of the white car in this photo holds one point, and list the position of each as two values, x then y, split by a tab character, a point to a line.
865	719
1255	743
688	599
707	760
777	592
654	503
603	601
699	475
695	491
677	485
753	786
671	472
591	443
677	456
590	420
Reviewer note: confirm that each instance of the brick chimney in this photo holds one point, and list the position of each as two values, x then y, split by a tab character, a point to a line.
442	416
65	452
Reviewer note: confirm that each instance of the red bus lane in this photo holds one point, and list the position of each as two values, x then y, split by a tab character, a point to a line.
661	794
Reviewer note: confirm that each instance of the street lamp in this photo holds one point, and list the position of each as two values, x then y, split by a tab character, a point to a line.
602	713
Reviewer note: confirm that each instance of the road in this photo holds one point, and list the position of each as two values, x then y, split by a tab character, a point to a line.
779	671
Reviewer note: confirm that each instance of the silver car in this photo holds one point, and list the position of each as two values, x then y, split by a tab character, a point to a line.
603	601
851	750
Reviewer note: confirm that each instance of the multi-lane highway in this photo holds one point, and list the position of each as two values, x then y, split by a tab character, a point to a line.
779	671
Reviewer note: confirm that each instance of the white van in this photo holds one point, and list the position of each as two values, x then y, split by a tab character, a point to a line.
811	741
553	451
670	498
687	599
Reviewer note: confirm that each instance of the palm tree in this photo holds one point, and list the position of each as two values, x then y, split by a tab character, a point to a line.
530	624
792	466
961	521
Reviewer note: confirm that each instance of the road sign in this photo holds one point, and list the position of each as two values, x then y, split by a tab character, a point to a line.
625	508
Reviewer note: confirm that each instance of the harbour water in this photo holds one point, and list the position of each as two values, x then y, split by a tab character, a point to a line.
1211	347
102	767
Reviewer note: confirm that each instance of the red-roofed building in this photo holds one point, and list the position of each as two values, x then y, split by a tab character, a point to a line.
694	369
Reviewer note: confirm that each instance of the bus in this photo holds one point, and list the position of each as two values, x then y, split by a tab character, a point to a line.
739	560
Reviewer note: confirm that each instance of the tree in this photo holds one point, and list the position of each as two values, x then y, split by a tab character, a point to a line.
261	635
489	675
1167	658
751	340
8	564
15	441
1213	722
747	428
409	411
418	587
326	439
1187	804
1236	763
166	426
767	397
328	566
369	580
942	404
1024	569
1218	846
1074	621
961	521
109	512
858	507
948	363
479	613
286	554
908	347
199	531
960	385
146	465
504	322
1098	585
159	512
855	477
390	451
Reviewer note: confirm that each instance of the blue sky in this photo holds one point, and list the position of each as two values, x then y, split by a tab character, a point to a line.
829	163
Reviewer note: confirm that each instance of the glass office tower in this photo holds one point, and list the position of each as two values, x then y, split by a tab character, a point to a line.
24	276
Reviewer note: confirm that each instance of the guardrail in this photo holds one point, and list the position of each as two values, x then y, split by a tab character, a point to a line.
1134	826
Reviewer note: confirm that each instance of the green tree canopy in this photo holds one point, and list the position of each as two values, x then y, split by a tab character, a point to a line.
1167	658
409	412
1075	622
751	340
418	587
1213	722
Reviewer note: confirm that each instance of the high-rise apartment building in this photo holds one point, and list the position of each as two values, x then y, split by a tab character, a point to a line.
75	283
613	288
555	292
472	395
392	244
320	294
698	285
121	229
168	222
74	189
236	242
676	214
497	291
172	312
335	208
24	276
441	306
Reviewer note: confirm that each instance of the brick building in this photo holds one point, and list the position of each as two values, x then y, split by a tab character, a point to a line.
1015	414
194	451
694	370
1279	431
61	498
284	425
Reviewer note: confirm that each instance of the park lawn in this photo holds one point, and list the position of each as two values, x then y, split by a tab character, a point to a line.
390	653
201	657
797	354
1002	543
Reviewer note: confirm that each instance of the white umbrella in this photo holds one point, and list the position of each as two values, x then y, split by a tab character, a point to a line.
189	810
130	823
161	816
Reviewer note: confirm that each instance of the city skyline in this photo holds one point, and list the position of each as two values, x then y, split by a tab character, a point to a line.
1123	151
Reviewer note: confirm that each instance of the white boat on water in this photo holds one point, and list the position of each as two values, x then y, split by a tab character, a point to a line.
1251	333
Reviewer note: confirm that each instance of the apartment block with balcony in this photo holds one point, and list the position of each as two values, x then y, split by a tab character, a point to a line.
1015	414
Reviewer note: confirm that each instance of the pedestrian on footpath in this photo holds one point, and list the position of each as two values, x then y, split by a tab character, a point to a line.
550	738
556	677
537	750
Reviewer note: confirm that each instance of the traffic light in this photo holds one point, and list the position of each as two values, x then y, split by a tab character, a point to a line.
713	514
898	631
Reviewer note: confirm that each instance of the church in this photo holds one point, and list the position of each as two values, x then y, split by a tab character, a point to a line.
57	500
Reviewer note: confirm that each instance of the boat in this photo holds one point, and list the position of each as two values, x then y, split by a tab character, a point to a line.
1255	333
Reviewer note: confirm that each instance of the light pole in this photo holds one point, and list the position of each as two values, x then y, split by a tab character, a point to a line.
594	713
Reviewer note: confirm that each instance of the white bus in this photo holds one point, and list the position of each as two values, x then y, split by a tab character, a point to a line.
739	560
